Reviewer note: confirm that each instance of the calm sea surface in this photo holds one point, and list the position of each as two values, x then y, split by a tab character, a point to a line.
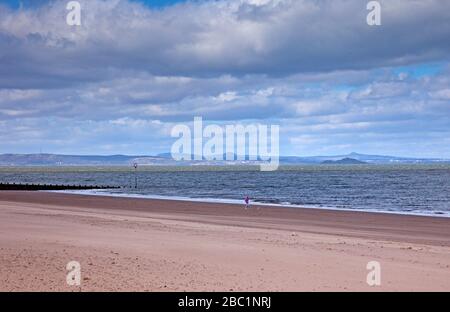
415	189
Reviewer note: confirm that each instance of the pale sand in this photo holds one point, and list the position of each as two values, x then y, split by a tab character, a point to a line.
153	245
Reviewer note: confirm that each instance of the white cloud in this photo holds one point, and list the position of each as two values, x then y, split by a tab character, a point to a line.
314	67
441	94
234	37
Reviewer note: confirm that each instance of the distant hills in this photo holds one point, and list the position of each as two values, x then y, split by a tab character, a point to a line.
344	161
166	160
369	159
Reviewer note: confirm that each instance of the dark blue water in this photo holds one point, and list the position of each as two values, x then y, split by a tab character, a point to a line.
413	189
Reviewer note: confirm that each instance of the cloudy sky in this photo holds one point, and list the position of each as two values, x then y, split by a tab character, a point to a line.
119	82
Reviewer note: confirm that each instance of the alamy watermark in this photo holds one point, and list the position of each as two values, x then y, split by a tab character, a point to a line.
374	276
374	16
253	142
73	278
73	18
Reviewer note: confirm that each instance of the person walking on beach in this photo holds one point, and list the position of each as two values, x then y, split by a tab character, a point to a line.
247	202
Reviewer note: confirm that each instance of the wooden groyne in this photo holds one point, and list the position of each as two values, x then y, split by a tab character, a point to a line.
51	187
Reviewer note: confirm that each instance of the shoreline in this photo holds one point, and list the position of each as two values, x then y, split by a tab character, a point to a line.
132	244
240	202
329	221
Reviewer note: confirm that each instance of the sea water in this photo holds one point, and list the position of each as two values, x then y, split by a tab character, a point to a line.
407	189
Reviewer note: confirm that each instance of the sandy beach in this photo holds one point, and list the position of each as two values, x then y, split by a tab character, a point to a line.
125	244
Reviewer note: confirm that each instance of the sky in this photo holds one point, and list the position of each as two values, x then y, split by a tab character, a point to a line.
36	3
133	70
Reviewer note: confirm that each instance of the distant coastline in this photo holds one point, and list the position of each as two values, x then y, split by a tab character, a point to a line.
165	159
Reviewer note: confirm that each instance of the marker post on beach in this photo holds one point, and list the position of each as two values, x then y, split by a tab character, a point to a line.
135	165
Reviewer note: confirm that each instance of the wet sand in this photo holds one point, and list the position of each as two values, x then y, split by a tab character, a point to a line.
125	244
